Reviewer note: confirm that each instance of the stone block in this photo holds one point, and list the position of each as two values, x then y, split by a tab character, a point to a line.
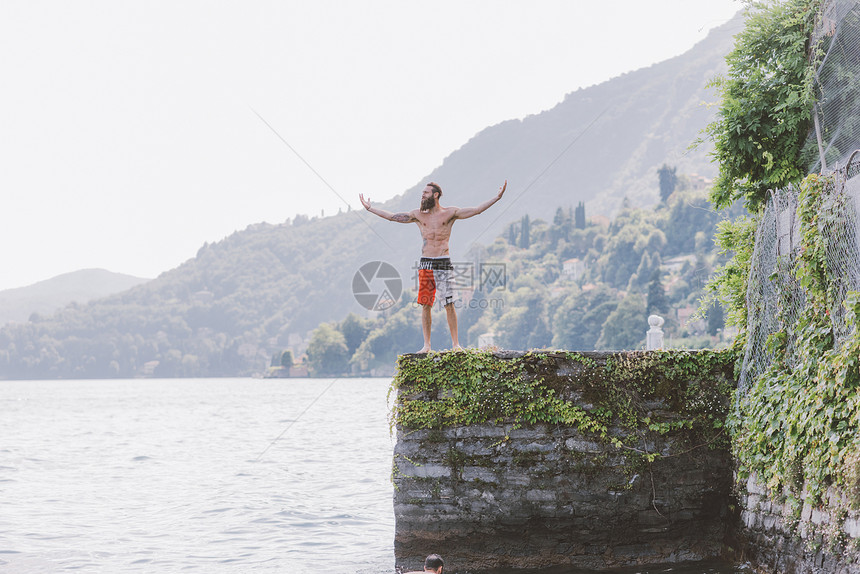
582	445
429	470
475	447
480	431
633	551
507	354
686	515
753	502
753	487
473	473
541	495
422	435
820	516
587	562
529	433
517	479
851	527
538	447
806	513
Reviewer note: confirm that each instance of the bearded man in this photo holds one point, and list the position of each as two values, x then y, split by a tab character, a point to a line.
435	272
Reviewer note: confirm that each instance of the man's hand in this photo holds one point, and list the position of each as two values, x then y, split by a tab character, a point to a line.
366	202
502	190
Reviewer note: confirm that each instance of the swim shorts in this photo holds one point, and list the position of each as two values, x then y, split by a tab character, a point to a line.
435	274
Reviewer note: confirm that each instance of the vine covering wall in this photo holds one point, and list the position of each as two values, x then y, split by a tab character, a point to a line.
475	386
793	290
796	425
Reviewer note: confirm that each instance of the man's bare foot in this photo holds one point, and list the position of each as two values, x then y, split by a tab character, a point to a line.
456	348
424	349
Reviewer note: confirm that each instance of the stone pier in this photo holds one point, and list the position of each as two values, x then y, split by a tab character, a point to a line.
507	494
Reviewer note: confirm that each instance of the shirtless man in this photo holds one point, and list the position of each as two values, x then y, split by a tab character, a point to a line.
435	269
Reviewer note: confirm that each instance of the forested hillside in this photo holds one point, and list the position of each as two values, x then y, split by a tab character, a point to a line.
568	283
257	292
217	314
235	305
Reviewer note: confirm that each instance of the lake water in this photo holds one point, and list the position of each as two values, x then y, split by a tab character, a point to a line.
201	475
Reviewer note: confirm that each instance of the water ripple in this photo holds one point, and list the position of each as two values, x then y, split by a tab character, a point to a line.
161	476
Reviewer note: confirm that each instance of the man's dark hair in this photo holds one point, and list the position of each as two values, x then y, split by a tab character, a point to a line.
433	561
437	189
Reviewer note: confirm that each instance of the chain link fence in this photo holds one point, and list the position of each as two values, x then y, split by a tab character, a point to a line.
774	298
836	121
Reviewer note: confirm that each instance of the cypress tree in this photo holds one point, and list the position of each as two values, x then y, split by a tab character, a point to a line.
579	219
525	240
668	181
657	302
512	234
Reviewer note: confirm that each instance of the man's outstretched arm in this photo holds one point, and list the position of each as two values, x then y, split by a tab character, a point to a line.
467	212
398	217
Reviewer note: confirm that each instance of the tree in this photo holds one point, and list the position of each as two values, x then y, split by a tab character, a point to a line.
559	228
579	218
631	233
657	302
766	104
689	213
514	327
626	326
520	327
399	333
287	359
668	181
512	234
644	269
577	322
541	336
327	351
525	239
716	318
355	330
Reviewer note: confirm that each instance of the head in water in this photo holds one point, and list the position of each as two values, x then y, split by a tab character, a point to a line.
430	196
433	563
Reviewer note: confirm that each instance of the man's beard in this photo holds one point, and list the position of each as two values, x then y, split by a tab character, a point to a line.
429	203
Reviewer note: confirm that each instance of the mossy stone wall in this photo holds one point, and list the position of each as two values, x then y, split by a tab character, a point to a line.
630	466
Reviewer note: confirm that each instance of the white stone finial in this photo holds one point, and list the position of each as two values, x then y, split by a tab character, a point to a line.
654	336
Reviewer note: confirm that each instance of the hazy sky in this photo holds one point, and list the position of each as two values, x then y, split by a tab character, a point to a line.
131	135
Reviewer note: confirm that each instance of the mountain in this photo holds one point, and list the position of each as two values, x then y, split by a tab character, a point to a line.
245	298
599	145
47	296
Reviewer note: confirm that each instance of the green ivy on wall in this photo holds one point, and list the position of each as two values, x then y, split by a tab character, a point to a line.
470	387
798	424
729	282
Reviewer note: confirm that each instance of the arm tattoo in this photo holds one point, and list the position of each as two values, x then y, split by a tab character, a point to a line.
401	218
